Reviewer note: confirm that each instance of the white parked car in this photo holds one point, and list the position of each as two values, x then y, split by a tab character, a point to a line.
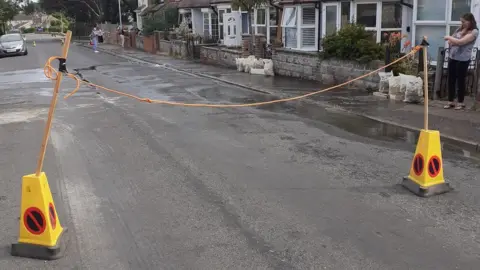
13	44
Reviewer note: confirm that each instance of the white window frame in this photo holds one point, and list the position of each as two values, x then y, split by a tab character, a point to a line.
256	24
221	24
299	26
210	13
267	25
209	30
324	16
270	26
378	22
447	22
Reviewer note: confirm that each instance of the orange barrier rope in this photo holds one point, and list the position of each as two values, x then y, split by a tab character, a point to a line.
49	70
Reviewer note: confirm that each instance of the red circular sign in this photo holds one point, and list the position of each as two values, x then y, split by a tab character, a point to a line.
418	164
34	221
434	166
53	216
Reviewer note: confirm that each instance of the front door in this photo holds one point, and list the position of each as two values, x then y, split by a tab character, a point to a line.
232	29
331	19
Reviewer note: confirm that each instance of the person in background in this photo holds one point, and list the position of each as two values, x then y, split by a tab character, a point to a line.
121	33
96	32
461	45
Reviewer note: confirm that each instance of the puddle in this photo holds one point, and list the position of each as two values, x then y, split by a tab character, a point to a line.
355	124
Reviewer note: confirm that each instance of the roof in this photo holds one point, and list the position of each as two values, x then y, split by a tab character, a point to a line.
158	7
22	17
283	2
220	1
194	3
149	9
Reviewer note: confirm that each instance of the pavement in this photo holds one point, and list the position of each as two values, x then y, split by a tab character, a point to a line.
459	126
294	185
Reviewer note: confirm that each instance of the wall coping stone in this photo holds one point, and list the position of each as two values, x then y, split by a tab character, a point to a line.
218	48
290	51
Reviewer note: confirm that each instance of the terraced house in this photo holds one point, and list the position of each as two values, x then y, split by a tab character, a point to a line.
303	23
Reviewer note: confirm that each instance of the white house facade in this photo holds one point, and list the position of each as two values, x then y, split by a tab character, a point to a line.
142	5
305	22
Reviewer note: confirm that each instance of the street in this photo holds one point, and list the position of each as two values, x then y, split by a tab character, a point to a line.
286	186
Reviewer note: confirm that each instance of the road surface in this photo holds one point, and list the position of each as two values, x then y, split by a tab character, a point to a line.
286	186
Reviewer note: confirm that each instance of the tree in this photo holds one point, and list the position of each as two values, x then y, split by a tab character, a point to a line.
249	6
90	11
8	10
85	10
30	7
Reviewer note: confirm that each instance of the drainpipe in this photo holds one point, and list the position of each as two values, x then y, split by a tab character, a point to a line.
318	6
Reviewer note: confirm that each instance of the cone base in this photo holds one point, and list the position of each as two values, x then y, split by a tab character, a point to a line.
425	191
41	252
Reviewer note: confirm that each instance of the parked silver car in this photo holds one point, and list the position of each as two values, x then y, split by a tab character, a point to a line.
13	44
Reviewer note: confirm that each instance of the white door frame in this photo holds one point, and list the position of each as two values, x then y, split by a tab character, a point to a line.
324	16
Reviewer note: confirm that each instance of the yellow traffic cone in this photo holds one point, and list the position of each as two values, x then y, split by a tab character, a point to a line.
426	173
34	44
41	235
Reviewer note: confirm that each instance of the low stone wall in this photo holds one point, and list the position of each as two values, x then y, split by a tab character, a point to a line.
176	48
219	56
308	65
296	64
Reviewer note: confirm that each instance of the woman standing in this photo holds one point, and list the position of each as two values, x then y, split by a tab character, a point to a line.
96	33
121	33
461	45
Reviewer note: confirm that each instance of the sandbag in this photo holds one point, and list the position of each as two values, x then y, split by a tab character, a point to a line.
413	90
268	67
394	91
383	85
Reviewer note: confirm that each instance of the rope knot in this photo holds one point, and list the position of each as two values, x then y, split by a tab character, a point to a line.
147	100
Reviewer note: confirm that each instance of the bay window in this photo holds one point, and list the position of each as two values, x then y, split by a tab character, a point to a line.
381	18
210	24
460	7
300	26
259	22
272	24
428	10
345	13
265	22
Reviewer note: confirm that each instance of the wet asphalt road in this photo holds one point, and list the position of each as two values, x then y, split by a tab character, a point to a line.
287	186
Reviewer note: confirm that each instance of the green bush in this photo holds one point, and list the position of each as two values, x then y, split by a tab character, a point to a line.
28	30
54	29
151	25
162	21
352	42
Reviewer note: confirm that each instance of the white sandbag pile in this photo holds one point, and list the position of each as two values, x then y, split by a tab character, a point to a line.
255	66
412	87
